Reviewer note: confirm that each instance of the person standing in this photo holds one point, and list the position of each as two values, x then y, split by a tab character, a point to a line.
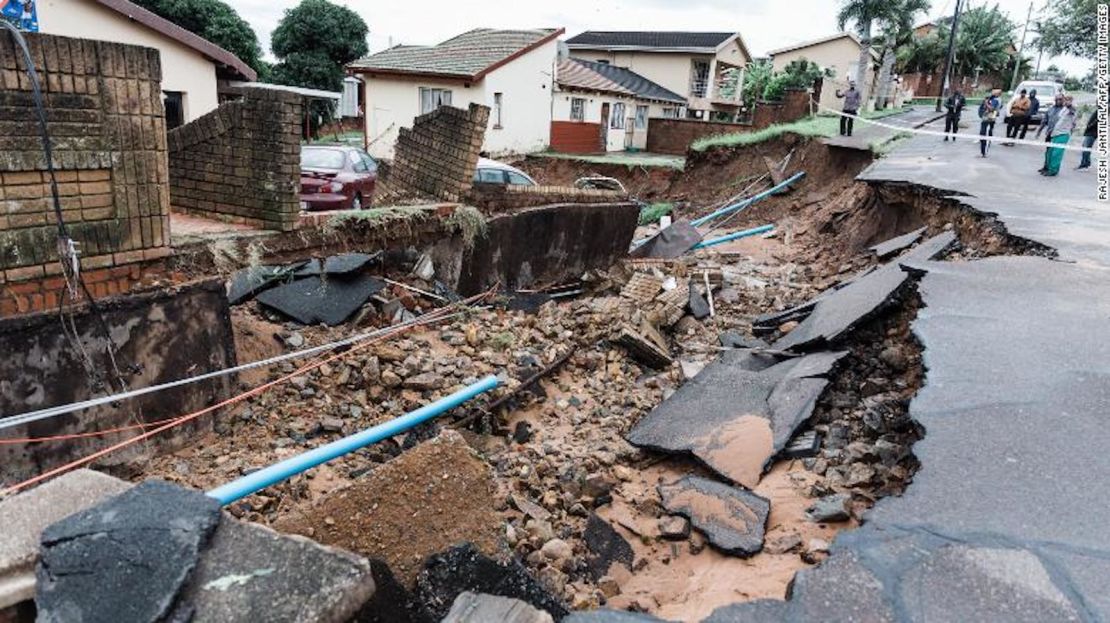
1046	126
955	107
988	115
1060	134
851	99
1089	137
1034	108
1019	113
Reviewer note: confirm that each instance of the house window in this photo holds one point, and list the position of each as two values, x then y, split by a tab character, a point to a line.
670	112
699	78
616	119
602	61
577	109
496	111
431	99
175	108
641	117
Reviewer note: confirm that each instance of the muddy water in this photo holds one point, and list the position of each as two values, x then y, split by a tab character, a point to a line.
739	449
676	584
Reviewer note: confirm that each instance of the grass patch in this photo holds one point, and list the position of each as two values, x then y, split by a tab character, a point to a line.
819	126
652	213
467	220
629	159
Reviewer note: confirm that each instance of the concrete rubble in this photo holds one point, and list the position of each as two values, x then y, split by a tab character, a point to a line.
732	519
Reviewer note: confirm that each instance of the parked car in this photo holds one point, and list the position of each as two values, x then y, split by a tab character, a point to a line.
336	177
494	172
1046	92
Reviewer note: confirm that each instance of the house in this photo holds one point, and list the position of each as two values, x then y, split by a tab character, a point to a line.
193	69
707	68
602	107
837	53
511	71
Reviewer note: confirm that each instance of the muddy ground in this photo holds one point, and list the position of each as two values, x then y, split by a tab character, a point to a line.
527	478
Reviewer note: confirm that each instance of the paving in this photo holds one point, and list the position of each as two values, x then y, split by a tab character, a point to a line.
738	412
1005	519
865	135
607	547
732	519
889	248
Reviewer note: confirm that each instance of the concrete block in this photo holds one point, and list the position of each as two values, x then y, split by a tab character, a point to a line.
26	515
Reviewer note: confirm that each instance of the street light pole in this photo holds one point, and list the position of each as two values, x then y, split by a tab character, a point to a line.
948	57
1021	48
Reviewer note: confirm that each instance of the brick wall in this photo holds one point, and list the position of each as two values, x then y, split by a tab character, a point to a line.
673	136
437	157
105	117
242	161
500	197
576	137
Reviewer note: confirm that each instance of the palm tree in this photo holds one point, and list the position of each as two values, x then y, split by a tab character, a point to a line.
865	14
897	33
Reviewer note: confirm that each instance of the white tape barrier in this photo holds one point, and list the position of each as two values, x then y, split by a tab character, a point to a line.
966	135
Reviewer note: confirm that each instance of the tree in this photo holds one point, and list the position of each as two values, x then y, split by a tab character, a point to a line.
798	74
314	41
865	14
756	77
921	54
897	30
215	21
1070	28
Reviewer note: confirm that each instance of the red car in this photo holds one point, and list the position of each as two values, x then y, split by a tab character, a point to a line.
336	177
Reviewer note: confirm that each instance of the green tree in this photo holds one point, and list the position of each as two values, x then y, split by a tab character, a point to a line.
983	42
215	21
756	77
314	41
1070	28
897	30
922	54
798	74
865	15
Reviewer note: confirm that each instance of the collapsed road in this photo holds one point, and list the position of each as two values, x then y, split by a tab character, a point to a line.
691	438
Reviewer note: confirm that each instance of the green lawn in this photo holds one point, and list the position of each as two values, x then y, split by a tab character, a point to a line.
820	126
626	158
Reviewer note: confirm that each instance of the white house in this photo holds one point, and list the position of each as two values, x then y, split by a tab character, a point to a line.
602	107
192	67
707	68
511	71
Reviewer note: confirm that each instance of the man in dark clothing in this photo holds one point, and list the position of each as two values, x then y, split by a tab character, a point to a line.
955	106
1089	137
1034	108
851	99
988	114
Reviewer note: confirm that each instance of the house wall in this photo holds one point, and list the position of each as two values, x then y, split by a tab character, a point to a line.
242	161
183	68
525	82
615	139
840	55
109	145
670	70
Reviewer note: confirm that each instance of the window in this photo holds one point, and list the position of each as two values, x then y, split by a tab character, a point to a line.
371	164
321	158
175	108
699	78
431	99
496	111
489	176
602	61
356	163
641	117
516	179
577	109
671	112
616	120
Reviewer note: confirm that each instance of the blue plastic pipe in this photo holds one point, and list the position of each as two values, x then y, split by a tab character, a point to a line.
251	483
733	236
729	209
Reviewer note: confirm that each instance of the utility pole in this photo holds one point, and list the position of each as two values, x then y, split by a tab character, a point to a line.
948	57
1021	48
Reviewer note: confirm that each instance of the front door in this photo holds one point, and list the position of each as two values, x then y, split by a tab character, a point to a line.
604	138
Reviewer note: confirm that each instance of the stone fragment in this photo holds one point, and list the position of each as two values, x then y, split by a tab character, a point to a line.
698	306
731	518
895	245
607	547
480	608
831	508
674	527
642	349
530	508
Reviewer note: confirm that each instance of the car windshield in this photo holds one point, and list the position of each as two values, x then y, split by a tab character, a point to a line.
321	159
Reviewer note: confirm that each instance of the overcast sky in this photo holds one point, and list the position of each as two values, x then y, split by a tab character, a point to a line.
764	24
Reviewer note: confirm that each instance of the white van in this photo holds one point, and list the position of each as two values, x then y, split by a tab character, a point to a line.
1046	92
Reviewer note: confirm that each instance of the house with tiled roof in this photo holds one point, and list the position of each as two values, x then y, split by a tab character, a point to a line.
838	54
511	71
602	107
707	68
194	70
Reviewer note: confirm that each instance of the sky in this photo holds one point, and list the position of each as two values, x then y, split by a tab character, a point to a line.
764	24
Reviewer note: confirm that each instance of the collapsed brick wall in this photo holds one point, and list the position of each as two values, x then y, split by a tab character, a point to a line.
673	136
492	198
437	157
242	161
107	127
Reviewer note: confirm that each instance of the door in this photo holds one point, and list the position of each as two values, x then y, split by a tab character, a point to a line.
604	138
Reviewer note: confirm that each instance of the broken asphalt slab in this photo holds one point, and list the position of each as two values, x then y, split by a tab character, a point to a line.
479	608
607	547
328	300
25	516
343	264
896	245
738	412
248	282
611	616
463	568
674	241
732	519
838	312
125	559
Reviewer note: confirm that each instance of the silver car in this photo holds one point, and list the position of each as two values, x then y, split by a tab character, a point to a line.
494	172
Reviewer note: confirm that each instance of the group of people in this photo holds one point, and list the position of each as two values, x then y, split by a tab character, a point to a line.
1059	122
